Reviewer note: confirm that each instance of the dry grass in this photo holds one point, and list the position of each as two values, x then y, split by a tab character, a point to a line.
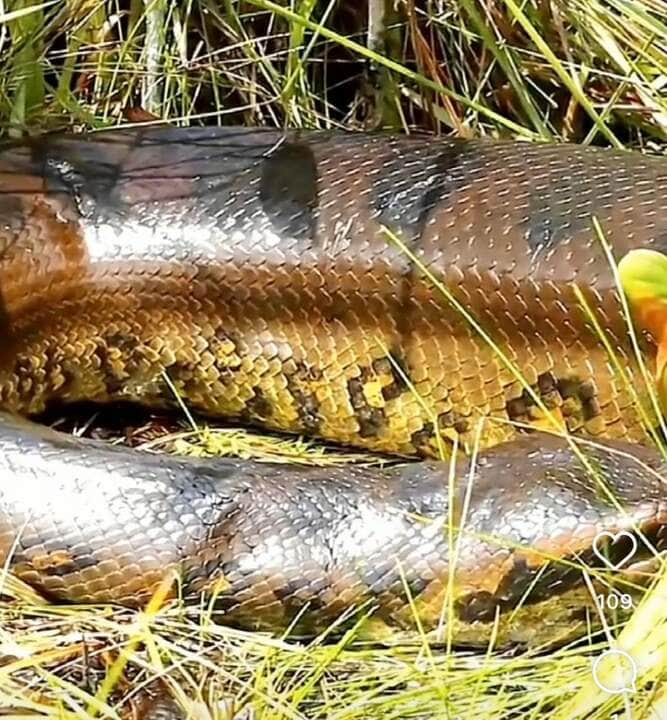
590	71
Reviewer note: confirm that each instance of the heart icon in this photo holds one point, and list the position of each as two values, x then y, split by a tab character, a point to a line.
604	539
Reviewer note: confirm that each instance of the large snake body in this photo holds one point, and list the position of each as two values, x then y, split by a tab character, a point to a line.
400	294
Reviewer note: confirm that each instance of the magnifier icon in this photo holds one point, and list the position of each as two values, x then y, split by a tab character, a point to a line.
618	674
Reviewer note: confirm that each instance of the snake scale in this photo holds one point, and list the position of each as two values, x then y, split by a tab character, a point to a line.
373	290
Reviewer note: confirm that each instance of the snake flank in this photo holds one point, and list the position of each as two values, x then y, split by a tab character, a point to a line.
250	270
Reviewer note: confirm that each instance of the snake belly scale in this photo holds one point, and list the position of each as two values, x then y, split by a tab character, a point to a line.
256	270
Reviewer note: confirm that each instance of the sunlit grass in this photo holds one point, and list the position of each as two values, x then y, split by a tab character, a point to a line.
61	649
56	659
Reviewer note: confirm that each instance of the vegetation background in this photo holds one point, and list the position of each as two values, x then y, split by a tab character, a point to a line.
587	71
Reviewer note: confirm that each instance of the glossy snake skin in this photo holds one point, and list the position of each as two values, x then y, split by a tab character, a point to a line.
318	283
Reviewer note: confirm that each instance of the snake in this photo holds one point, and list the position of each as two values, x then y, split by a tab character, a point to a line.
438	301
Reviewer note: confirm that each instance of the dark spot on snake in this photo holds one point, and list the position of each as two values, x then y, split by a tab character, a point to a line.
558	212
446	176
225	348
545	582
371	420
547	389
591	409
123	341
381	365
304	371
551	392
582	397
225	602
586	391
519	408
422	438
113	381
409	188
393	391
69	371
289	190
62	177
540	234
415	586
547	383
60	559
461	425
480	606
408	209
568	387
258	407
115	371
446	419
80	172
516	408
183	375
394	365
452	419
23	366
76	564
307	404
204	577
289	596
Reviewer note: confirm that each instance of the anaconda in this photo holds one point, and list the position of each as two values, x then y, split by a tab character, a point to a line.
407	295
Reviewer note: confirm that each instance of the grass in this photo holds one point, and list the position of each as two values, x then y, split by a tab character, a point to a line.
589	71
280	679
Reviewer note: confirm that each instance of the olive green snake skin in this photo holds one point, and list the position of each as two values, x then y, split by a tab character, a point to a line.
405	295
